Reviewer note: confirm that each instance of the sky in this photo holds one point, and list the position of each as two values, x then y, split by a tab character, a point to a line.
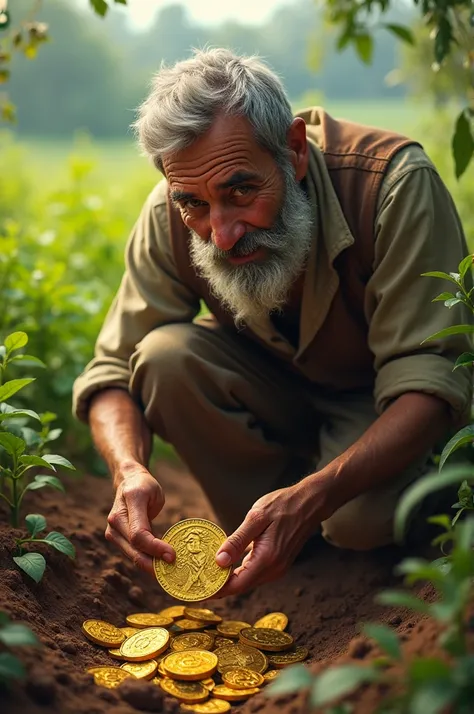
141	12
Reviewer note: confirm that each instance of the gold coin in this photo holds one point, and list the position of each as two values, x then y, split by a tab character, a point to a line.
190	692
231	628
129	631
202	614
274	621
190	625
232	656
174	611
190	664
141	670
221	641
115	653
194	575
240	678
145	644
270	675
209	683
109	677
141	620
283	659
212	706
233	695
103	633
192	641
266	639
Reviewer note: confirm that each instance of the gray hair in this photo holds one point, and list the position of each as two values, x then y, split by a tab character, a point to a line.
185	99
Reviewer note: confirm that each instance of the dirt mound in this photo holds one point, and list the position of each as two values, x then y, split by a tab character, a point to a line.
326	594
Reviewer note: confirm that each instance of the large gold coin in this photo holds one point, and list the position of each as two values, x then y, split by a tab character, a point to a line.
202	614
190	664
194	575
190	625
231	628
232	656
240	678
266	639
190	692
212	706
141	670
141	620
145	644
233	695
103	633
192	641
283	659
109	677
175	611
274	621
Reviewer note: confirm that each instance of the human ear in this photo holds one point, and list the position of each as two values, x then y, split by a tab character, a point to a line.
298	146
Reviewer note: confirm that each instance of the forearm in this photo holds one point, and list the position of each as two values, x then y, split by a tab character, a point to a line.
409	428
119	431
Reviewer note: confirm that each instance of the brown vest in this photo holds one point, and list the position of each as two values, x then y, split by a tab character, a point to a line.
356	158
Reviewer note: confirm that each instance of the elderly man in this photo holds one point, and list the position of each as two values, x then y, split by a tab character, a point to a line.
304	401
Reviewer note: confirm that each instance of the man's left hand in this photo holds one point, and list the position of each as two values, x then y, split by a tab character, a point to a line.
277	526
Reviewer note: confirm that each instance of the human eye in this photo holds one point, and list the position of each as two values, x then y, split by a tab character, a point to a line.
193	203
241	191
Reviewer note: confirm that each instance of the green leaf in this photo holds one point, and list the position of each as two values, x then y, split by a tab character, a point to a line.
439	274
47	417
466	495
385	637
364	45
15	634
421	488
121	2
399	598
43	480
59	461
35	523
442	297
100	7
464	360
339	682
461	438
16	341
11	667
462	143
28	360
424	669
33	564
404	33
54	434
433	697
12	444
12	413
31	460
10	388
443	520
443	564
448	331
465	265
416	569
452	302
61	543
292	679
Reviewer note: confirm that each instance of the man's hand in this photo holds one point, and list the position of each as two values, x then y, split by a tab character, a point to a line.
138	500
277	526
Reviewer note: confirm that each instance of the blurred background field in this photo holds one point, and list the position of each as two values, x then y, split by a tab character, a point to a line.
72	181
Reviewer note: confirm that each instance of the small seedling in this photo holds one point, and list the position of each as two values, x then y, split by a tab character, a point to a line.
13	635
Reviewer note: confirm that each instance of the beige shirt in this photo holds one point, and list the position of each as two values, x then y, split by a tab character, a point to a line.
417	230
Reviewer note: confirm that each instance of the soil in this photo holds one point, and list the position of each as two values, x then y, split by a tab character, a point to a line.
326	595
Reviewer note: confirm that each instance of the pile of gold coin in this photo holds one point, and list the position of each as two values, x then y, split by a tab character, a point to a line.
191	653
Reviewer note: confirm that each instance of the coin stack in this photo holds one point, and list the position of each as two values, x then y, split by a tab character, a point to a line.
191	653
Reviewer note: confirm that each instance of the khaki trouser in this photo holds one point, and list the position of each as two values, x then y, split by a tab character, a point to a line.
245	425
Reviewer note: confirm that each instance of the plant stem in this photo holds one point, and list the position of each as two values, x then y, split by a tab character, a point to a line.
2	495
15	506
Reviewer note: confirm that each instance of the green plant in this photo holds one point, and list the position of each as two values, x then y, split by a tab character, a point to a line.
22	454
13	635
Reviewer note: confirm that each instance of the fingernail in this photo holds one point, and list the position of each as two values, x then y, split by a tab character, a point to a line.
167	557
223	559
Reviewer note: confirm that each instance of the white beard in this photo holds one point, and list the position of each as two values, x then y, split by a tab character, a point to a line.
255	289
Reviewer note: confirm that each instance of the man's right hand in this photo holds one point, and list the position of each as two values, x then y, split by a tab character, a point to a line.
138	500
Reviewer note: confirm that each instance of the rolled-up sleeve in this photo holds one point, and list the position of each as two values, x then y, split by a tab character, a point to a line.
417	230
150	295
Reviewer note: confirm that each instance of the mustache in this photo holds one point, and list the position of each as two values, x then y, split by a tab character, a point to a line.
249	243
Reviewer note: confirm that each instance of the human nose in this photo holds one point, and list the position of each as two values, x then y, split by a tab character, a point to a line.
225	229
